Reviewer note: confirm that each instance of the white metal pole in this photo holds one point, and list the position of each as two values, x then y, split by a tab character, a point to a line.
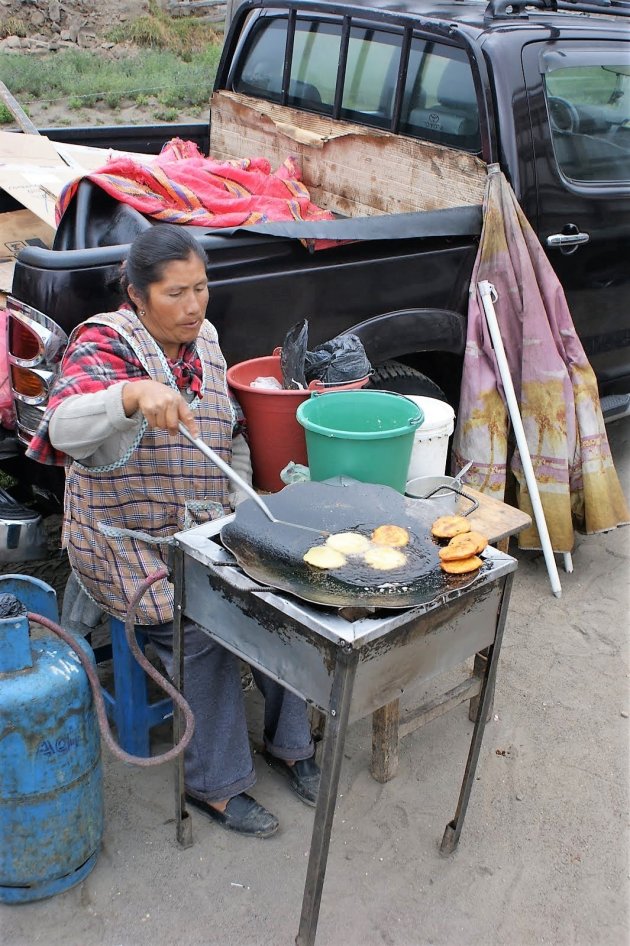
488	295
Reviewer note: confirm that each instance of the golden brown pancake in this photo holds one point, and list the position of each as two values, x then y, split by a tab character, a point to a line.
462	565
348	543
448	526
457	550
479	540
322	556
395	536
384	558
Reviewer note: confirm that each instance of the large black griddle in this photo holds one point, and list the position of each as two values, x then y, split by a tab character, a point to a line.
272	553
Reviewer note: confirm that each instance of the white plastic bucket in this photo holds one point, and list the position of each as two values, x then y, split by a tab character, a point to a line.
430	442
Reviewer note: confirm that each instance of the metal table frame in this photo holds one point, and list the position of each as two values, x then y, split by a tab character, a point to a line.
343	670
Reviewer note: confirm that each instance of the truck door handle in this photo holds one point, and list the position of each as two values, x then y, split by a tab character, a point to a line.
570	237
567	239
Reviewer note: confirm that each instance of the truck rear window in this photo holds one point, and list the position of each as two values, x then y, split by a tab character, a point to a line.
438	98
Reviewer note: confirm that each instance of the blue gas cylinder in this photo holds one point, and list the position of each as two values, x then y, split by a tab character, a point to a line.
51	785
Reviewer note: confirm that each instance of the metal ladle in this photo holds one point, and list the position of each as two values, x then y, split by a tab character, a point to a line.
240	482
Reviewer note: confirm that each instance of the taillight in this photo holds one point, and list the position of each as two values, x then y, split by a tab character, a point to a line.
33	338
36	345
24	343
29	385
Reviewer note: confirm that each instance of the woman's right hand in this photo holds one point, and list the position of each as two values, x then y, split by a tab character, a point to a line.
162	407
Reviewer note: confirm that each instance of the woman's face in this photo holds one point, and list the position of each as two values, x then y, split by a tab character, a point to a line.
175	305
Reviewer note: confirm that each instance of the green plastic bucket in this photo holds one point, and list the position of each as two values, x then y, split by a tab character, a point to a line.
365	434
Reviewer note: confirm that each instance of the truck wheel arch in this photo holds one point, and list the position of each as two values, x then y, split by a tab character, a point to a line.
403	333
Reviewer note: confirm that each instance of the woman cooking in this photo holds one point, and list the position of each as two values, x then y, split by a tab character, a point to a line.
128	378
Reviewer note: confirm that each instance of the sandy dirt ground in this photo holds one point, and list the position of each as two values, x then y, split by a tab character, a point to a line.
543	857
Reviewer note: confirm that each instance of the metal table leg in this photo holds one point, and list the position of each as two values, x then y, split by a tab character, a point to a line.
332	754
454	827
183	821
481	659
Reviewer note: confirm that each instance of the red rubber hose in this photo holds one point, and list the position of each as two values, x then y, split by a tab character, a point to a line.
161	681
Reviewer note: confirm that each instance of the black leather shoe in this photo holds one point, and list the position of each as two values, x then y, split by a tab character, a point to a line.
303	776
242	814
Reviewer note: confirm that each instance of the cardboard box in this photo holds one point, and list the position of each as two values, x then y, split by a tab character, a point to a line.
18	229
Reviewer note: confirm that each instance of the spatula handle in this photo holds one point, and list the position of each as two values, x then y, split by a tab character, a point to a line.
227	469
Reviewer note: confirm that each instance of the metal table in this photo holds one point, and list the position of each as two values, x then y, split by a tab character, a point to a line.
347	669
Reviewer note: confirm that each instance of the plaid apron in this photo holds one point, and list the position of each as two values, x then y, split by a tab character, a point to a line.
120	518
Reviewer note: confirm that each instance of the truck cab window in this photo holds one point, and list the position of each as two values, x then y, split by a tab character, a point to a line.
261	70
316	49
371	71
440	101
439	98
589	118
313	73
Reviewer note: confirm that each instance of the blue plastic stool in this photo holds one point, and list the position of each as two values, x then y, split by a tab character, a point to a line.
129	708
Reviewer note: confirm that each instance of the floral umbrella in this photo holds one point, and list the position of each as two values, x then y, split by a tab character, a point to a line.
554	383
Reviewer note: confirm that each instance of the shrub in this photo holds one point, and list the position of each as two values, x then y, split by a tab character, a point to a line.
183	36
85	78
13	26
166	114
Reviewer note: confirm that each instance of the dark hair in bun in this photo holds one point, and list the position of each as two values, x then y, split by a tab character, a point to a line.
151	251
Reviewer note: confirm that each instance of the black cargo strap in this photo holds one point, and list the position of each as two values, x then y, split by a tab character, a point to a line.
452	222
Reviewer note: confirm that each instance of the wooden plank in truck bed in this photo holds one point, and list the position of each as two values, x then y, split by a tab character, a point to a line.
348	169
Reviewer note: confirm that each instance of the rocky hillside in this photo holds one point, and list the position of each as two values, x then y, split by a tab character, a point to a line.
40	26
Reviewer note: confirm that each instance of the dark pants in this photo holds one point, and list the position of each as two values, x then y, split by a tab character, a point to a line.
218	762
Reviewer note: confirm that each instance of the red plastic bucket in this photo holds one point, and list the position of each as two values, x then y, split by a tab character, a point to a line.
275	437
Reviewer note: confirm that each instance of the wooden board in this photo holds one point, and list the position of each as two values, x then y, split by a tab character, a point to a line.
495	519
348	169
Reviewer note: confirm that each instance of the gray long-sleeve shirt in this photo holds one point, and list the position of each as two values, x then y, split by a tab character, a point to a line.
93	429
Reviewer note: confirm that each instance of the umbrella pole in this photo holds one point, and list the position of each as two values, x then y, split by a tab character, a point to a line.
488	294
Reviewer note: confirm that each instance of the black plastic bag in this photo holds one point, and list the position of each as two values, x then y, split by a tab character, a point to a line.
338	361
293	355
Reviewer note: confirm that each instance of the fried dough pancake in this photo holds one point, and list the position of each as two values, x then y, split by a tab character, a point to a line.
465	537
464	547
448	526
394	536
384	558
462	565
322	556
348	543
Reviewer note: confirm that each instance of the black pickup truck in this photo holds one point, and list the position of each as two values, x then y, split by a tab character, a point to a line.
542	88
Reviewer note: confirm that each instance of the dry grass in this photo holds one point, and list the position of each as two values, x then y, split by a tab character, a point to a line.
13	26
157	30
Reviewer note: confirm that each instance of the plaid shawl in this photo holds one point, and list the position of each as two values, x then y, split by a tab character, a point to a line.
96	358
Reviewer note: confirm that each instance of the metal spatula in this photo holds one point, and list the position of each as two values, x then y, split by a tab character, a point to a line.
240	482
